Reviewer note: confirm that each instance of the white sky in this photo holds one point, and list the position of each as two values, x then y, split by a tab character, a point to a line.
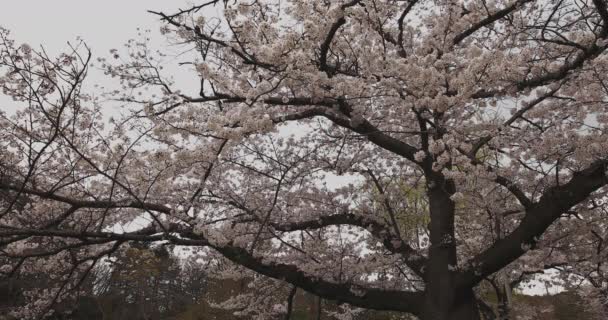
103	25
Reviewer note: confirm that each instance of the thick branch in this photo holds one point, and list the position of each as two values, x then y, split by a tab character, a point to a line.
324	49
324	105
377	299
94	204
515	190
489	20
374	135
146	234
602	9
392	242
405	12
565	69
554	201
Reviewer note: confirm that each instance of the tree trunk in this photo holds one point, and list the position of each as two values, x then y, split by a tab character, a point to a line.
442	301
464	308
503	296
486	311
292	294
319	306
504	304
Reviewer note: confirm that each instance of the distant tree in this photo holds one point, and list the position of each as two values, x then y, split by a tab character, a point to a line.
141	282
496	111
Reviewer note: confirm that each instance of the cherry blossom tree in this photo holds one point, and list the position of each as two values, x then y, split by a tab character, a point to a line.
384	154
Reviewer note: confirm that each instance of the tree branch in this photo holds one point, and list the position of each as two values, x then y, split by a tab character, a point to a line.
554	201
393	243
489	20
377	299
94	204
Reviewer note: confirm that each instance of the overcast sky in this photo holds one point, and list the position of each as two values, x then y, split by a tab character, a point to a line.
103	25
